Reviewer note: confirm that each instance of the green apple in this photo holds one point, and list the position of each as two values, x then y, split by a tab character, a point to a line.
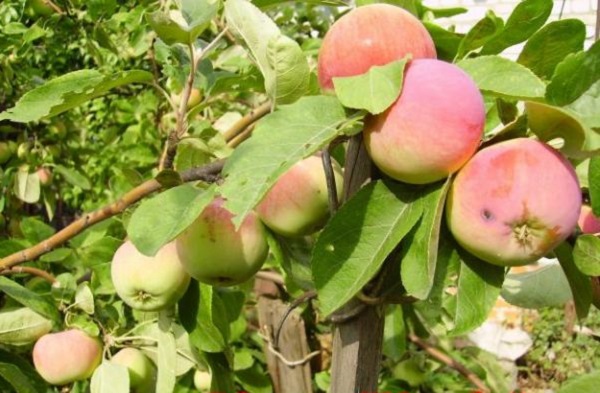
142	373
148	283
213	252
68	356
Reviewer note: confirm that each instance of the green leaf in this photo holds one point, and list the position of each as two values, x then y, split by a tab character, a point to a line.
169	30
530	289
482	32
279	140
355	243
28	298
420	248
198	14
186	356
84	298
26	185
25	367
191	153
110	378
394	334
375	90
574	75
167	354
551	122
279	58
205	318
254	379
16	378
74	177
581	383
587	107
68	91
222	375
446	42
159	220
22	326
35	230
527	17
551	44
594	184
586	254
503	78
580	283
479	284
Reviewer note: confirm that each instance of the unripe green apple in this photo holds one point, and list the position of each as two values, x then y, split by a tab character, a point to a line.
371	35
142	373
588	222
202	381
65	357
5	152
433	128
298	203
194	99
148	283
213	252
513	202
40	8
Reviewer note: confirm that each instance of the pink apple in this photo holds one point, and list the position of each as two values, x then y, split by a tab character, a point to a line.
433	128
148	283
65	357
213	252
513	202
375	34
588	222
298	203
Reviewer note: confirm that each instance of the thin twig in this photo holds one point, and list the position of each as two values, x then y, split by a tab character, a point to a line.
207	173
448	361
330	179
239	138
54	7
283	359
247	120
339	318
29	270
305	297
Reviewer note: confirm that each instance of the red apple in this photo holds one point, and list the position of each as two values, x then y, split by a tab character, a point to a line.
148	283
65	357
213	252
298	203
142	373
513	202
433	128
371	35
588	222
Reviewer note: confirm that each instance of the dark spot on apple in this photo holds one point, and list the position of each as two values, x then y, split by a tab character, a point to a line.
487	215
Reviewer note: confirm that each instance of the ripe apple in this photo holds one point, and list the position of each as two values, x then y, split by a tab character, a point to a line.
213	252
65	357
195	98
433	128
298	203
142	373
148	283
588	222
45	176
371	35
513	202
202	380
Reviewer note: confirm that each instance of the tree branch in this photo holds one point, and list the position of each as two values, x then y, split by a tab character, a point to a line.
448	361
254	115
29	270
207	173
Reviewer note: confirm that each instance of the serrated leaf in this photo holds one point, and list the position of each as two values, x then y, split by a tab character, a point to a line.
110	378
279	140
586	254
191	152
355	243
167	29
527	17
587	107
22	326
74	177
84	298
551	122
580	284
501	77
28	298
159	220
551	44
420	248
594	184
446	41
198	14
479	284
289	75
375	90
68	91
574	75
482	32
27	186
211	331
530	289
581	383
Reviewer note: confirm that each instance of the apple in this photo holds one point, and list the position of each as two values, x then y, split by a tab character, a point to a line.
195	98
142	373
213	252
202	380
5	152
298	203
588	222
433	128
371	35
40	8
45	176
148	283
65	357
513	202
